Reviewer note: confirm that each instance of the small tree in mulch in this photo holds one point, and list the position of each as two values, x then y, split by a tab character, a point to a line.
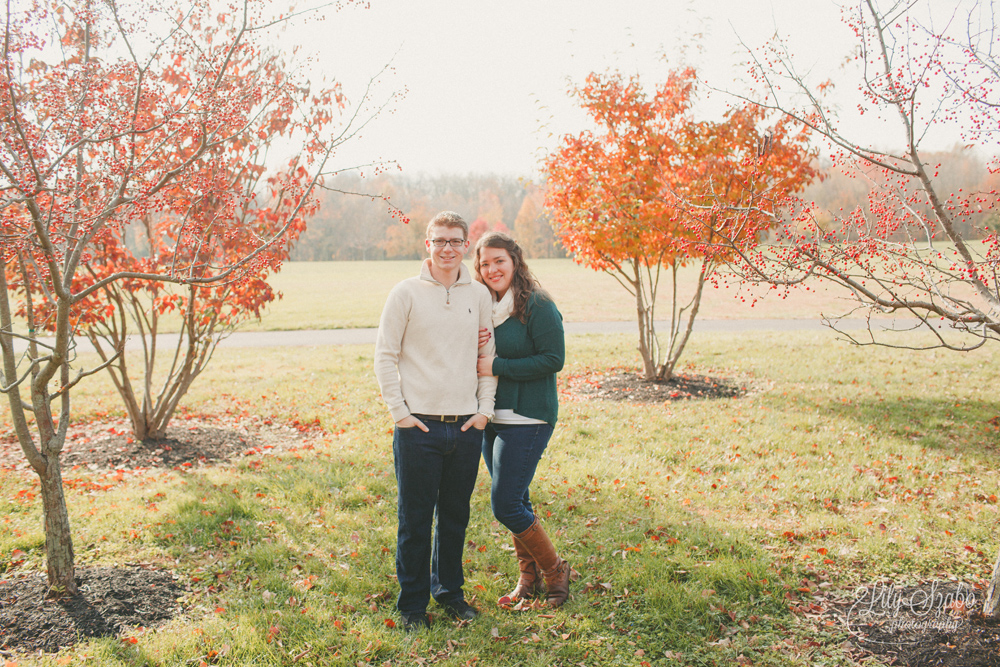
115	113
112	600
636	197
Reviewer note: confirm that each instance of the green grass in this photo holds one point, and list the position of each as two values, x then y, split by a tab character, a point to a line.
694	526
343	295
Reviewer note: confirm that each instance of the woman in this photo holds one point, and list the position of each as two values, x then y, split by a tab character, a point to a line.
530	351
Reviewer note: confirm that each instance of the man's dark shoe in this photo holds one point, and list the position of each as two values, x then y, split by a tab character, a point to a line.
460	610
415	622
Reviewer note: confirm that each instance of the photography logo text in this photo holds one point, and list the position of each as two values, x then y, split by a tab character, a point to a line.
936	607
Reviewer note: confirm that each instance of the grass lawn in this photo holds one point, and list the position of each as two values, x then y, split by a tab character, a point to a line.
344	295
333	295
701	530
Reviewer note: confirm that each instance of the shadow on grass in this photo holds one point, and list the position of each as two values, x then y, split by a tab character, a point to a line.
971	428
687	591
301	553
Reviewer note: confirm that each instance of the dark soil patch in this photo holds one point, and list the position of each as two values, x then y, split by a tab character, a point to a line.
934	623
190	442
114	599
111	601
628	386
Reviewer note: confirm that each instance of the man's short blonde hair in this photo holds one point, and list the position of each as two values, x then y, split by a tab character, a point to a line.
448	219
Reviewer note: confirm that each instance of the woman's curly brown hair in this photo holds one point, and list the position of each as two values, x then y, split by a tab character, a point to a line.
522	282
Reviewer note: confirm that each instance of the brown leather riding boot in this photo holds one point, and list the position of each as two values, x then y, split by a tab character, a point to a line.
529	585
554	569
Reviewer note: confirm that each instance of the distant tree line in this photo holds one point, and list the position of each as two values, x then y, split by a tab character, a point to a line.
361	227
960	171
348	227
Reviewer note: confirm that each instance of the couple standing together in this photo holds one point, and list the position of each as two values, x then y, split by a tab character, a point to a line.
448	351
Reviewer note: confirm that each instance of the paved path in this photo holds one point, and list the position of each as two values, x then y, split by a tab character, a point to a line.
367	336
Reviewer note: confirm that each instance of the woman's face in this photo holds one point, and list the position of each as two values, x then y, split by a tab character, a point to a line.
497	269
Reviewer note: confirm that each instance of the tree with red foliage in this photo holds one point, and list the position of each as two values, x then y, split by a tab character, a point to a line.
903	251
480	226
645	193
207	312
141	116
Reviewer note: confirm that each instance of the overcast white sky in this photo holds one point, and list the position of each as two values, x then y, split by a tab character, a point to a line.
486	81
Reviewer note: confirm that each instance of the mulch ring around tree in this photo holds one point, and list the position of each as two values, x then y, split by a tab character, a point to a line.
934	623
621	385
112	600
191	441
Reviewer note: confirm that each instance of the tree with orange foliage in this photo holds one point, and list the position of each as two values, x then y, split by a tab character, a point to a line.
643	193
147	117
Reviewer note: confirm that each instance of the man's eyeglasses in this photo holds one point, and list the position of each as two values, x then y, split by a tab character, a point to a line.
454	243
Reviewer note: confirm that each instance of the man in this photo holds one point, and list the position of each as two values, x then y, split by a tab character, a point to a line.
425	362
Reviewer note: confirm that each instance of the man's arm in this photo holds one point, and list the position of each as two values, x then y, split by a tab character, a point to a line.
388	343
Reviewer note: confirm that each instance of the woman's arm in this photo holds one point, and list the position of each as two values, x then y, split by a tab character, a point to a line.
545	329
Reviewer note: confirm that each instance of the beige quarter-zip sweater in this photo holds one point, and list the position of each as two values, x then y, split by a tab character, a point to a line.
427	346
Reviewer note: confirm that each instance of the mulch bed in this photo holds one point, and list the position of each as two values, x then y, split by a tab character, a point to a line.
618	385
114	599
935	623
191	441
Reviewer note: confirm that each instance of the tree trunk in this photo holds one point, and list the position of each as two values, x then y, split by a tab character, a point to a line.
644	308
678	339
991	606
647	337
58	540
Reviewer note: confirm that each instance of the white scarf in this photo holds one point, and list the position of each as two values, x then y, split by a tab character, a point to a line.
503	308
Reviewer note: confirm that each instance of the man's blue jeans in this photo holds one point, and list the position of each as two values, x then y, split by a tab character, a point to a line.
511	452
436	475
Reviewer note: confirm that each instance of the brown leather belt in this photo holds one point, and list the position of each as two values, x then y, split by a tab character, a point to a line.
443	418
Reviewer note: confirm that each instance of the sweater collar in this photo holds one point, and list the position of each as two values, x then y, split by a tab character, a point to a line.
464	277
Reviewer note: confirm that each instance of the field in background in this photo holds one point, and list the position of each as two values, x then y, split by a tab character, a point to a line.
333	295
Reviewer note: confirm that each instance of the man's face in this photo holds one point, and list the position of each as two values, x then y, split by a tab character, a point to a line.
448	257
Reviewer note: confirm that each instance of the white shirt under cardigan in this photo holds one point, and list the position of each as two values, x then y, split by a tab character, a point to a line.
428	344
501	311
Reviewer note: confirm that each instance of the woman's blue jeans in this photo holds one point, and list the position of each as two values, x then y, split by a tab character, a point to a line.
511	452
436	475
